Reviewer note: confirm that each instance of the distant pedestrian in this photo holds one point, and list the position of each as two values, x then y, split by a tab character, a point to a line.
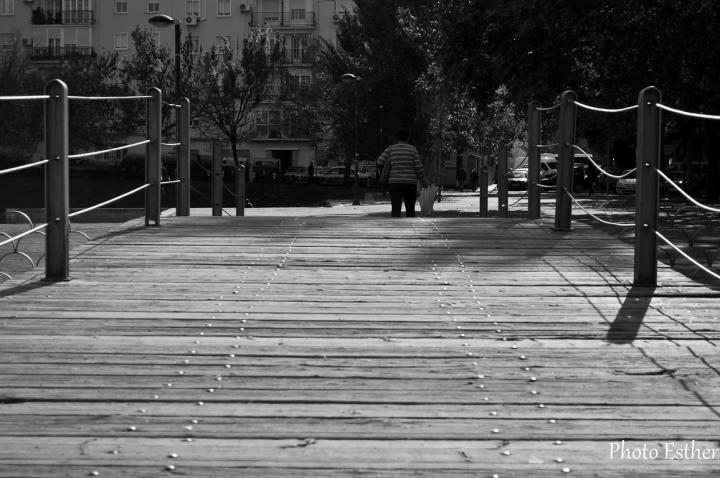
474	179
310	173
461	179
405	171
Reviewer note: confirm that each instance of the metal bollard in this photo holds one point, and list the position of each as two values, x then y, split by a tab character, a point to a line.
152	157
502	184
533	160
183	159
217	180
57	200
563	202
647	197
484	191
240	190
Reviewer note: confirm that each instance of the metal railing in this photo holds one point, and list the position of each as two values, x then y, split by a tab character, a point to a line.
57	225
648	156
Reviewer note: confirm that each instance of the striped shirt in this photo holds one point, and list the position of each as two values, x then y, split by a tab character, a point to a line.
405	165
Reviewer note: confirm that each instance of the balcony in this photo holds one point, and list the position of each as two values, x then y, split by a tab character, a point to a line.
50	53
62	17
296	18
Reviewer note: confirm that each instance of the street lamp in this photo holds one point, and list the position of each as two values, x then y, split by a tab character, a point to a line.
350	78
162	21
182	167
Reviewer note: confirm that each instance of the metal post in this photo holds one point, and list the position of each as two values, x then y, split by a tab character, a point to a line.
563	202
57	202
183	159
152	157
217	180
502	185
533	160
356	185
240	190
484	191
646	200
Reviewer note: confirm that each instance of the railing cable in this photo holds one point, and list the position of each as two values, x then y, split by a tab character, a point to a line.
686	195
687	113
686	256
599	168
117	198
23	98
97	153
108	98
24	166
549	108
606	110
26	233
617	224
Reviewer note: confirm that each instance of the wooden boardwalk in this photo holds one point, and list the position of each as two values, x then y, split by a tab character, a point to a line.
358	346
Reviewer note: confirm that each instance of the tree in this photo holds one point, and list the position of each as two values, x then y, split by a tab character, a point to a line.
372	44
21	121
228	83
97	124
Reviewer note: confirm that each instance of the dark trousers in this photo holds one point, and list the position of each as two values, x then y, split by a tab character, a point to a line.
403	193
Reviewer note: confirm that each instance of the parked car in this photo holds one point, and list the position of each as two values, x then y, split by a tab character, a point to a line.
335	175
295	174
518	179
626	185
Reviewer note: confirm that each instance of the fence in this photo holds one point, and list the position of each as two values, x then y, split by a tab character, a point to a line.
57	226
647	170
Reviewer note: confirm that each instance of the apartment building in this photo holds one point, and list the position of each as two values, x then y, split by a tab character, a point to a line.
49	30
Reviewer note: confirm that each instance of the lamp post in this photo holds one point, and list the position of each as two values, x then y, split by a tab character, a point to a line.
162	21
350	78
182	121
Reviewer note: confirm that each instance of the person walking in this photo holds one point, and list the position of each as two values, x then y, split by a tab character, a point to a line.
405	170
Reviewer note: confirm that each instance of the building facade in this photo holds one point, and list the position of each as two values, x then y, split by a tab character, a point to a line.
48	30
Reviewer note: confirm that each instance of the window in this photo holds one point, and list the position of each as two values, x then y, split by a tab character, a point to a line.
268	124
7	41
121	7
222	40
192	7
7	7
298	45
223	8
153	7
121	41
297	14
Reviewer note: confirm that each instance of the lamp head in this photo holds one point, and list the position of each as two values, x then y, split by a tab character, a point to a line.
162	20
349	77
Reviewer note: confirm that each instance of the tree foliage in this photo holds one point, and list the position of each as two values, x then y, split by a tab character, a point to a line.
21	121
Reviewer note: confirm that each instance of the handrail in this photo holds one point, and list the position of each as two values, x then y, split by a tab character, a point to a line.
24	97
26	233
606	110
687	113
109	201
599	219
111	150
686	256
24	166
108	98
682	192
599	168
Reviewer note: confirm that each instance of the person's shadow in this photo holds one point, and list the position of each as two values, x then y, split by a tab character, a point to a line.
629	318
